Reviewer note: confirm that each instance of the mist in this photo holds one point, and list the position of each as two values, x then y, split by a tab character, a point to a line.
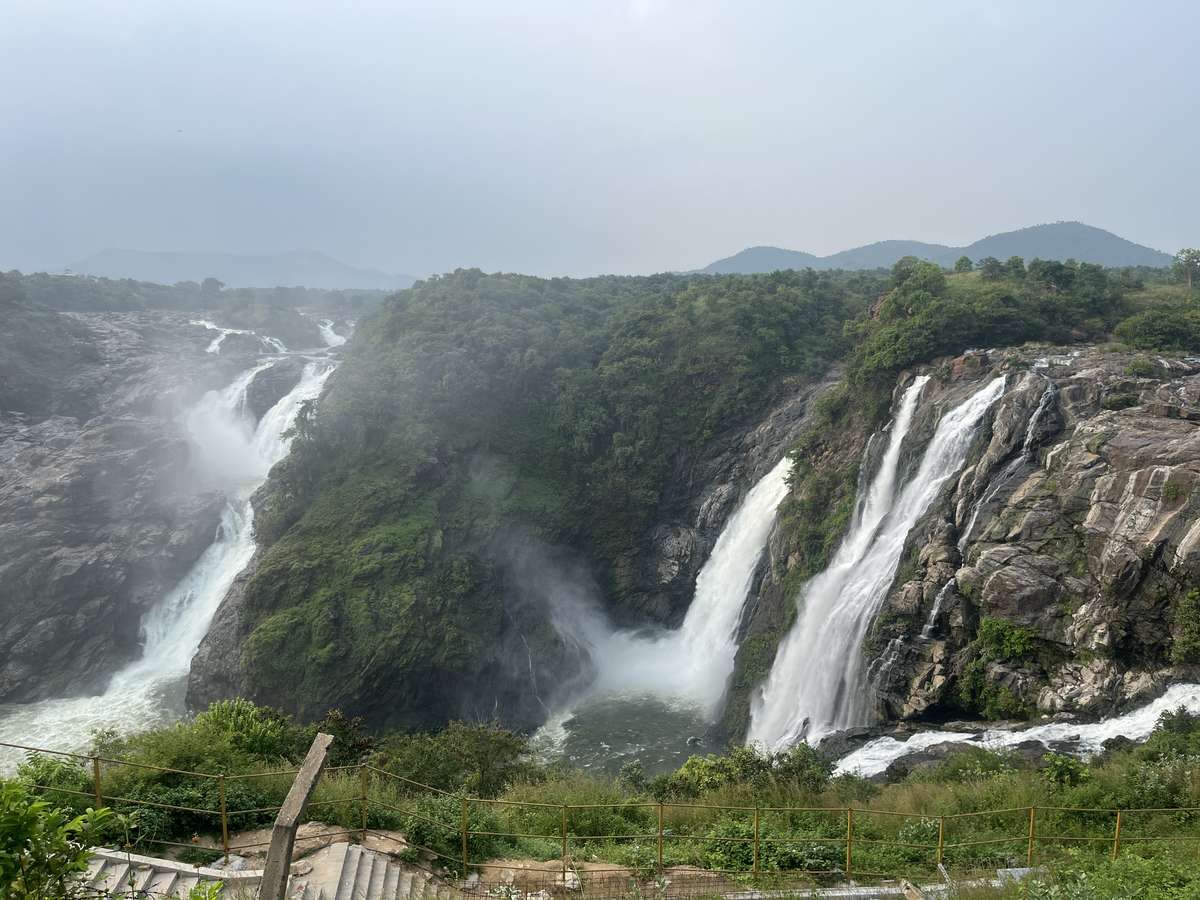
588	137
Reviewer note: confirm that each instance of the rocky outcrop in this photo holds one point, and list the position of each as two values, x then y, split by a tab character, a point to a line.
98	513
1048	577
272	384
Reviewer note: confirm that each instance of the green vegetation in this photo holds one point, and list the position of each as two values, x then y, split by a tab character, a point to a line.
1185	629
708	805
43	849
1001	640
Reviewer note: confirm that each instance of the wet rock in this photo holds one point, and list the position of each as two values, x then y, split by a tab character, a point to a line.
271	385
100	514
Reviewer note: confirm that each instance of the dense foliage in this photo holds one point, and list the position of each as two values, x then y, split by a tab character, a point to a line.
476	414
709	804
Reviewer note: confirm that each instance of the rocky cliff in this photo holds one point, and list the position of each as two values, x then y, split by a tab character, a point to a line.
100	511
1053	575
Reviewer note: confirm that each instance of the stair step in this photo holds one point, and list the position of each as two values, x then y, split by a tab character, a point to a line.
391	878
95	867
378	877
185	884
162	884
362	878
142	877
348	873
404	885
114	877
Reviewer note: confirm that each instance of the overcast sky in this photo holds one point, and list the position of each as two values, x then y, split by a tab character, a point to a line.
578	137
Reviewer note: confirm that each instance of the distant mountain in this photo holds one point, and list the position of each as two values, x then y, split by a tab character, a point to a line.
763	259
1060	240
307	268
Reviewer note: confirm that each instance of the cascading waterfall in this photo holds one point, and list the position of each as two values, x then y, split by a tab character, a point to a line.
817	683
328	335
236	456
651	691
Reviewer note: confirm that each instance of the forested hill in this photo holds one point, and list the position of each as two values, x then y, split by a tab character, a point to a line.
476	420
1059	241
492	442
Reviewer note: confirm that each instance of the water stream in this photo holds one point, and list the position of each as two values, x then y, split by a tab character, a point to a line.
817	683
654	695
234	455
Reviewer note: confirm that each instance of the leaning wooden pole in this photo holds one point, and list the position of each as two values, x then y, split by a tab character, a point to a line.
283	835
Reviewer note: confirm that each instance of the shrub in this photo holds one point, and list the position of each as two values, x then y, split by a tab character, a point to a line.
43	850
435	823
1141	367
481	760
1185	635
1064	771
1002	641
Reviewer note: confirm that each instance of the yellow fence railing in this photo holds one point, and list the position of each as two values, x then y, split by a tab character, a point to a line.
758	842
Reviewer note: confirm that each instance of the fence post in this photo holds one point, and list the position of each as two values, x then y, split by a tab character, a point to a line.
564	845
283	834
660	839
849	841
756	843
224	818
464	836
364	778
941	851
1117	837
1032	834
96	781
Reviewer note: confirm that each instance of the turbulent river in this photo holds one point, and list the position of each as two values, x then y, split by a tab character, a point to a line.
232	452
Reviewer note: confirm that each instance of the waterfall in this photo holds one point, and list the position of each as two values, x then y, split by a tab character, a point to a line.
1014	466
222	333
236	457
694	661
647	685
328	335
817	684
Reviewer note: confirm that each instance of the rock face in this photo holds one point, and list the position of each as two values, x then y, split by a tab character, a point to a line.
1048	578
704	492
98	514
272	384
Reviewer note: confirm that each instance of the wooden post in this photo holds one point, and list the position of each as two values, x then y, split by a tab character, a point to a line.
283	834
564	846
756	842
464	835
660	839
1117	837
941	851
1032	835
224	818
849	841
364	781
96	782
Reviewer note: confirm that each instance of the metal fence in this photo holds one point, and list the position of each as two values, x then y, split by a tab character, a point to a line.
764	844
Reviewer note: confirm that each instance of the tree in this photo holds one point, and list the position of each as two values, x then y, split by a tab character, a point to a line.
1187	266
991	269
211	285
963	264
1015	267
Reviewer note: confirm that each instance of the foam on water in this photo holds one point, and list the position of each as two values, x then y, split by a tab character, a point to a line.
1084	739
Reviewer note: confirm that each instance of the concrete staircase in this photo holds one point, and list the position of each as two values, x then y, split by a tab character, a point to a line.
128	874
352	872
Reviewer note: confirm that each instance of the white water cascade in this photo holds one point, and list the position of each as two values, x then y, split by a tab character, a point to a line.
328	335
694	661
234	455
678	676
817	683
1083	739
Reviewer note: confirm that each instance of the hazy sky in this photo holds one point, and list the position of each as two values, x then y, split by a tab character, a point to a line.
576	137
